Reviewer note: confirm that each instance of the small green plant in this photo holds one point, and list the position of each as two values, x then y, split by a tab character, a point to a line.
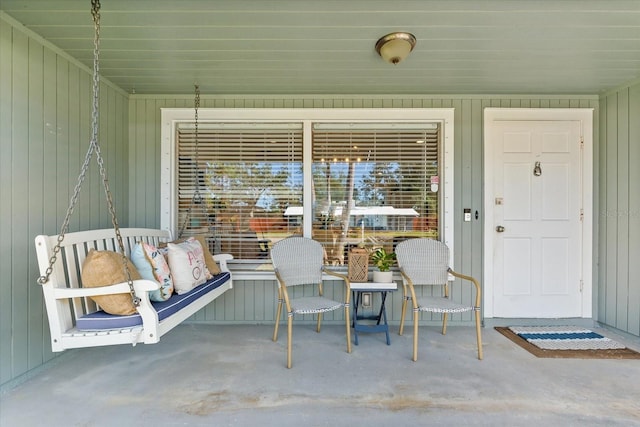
383	259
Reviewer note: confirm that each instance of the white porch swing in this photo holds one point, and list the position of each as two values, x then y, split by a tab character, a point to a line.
75	319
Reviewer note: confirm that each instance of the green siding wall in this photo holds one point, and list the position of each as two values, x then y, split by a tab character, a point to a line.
254	302
45	126
618	247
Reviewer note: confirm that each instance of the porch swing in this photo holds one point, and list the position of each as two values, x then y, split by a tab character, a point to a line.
84	272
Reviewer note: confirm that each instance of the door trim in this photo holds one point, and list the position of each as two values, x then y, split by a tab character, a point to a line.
585	117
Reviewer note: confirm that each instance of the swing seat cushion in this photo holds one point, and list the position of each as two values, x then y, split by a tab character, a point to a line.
101	320
103	268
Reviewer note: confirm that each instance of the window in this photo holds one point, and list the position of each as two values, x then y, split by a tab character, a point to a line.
341	176
374	184
244	176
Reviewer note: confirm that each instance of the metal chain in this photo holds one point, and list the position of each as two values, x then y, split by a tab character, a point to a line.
93	147
65	224
197	197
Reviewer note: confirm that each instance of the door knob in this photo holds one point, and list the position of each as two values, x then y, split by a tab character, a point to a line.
500	229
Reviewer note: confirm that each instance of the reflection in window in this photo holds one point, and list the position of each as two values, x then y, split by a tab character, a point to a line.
248	174
373	185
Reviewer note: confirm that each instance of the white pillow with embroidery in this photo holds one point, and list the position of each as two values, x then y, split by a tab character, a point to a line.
188	268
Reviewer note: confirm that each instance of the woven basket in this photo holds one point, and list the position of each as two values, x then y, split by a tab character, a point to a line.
358	265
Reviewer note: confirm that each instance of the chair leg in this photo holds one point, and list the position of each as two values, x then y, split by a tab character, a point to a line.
444	323
348	324
289	338
319	322
478	334
402	314
275	330
416	317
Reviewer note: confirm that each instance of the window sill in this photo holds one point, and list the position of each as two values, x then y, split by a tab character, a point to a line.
251	270
263	270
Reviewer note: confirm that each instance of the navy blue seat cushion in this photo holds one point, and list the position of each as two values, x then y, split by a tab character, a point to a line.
101	320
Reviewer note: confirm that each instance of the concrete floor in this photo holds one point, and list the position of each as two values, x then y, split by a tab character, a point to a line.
212	375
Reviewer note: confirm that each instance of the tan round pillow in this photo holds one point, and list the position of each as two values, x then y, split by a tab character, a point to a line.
103	268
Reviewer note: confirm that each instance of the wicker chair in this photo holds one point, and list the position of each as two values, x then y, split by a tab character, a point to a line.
426	262
298	261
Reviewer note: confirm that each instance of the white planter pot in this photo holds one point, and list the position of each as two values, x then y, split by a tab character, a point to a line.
382	276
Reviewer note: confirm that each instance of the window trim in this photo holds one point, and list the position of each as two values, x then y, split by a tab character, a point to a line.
171	117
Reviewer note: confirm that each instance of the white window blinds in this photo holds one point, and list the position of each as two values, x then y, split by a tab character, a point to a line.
247	174
374	182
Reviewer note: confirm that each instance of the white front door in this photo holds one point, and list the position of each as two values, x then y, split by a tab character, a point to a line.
536	218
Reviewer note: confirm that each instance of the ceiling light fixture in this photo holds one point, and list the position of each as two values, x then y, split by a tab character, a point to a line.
395	47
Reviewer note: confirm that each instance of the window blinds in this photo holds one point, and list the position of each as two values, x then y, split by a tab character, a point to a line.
374	182
392	166
244	171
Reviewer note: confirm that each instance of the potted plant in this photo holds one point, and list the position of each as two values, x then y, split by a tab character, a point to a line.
383	260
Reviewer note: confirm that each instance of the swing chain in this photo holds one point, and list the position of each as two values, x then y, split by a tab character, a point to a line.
197	196
93	146
95	11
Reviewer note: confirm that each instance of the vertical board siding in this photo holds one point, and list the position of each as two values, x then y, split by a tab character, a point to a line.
255	301
34	189
45	120
619	210
633	304
600	208
622	186
19	230
6	116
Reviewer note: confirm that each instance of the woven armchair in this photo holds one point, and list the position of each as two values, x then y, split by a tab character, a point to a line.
425	262
298	261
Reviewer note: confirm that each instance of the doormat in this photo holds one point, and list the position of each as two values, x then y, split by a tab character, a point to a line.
566	342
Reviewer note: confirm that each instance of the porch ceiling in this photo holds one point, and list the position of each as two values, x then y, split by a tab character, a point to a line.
327	47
